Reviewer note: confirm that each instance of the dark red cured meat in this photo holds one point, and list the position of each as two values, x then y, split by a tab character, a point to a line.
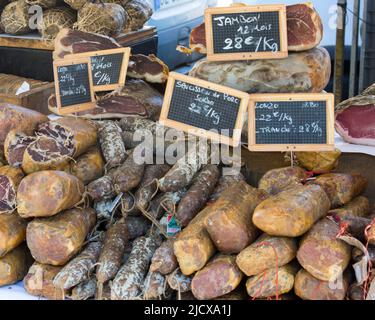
116	104
356	124
304	26
198	35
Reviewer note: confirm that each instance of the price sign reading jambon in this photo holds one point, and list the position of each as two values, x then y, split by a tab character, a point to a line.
291	122
204	109
246	33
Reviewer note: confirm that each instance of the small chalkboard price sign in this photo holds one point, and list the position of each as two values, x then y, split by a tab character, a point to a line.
291	122
73	85
204	109
246	33
109	67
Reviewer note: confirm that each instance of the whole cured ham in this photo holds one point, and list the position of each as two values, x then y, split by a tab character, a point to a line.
148	68
355	118
304	26
307	71
18	118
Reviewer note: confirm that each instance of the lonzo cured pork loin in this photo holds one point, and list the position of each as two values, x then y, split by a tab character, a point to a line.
304	26
272	282
292	212
46	153
341	188
10	178
230	223
308	287
46	193
127	284
220	276
39	281
18	118
193	246
54	240
78	269
111	143
321	253
139	12
307	71
12	232
73	133
358	207
277	180
89	166
14	147
265	253
164	260
14	265
198	194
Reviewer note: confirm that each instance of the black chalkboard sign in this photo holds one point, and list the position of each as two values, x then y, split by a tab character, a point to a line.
204	109
109	67
73	85
246	32
279	122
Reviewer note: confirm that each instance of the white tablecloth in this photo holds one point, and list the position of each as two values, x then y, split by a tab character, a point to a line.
16	292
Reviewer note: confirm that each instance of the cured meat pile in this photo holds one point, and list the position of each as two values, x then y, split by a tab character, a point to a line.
137	97
355	118
83	217
98	226
112	19
307	69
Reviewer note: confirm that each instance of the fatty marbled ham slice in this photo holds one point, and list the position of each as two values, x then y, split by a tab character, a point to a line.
148	68
304	25
307	71
136	98
355	119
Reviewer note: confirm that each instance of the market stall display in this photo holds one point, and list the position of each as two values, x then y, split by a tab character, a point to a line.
101	225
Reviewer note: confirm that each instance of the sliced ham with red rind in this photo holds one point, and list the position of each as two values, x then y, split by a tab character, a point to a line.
355	120
304	26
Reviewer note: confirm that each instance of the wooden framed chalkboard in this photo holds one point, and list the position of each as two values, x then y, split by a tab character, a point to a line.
246	33
204	109
291	122
109	67
73	85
